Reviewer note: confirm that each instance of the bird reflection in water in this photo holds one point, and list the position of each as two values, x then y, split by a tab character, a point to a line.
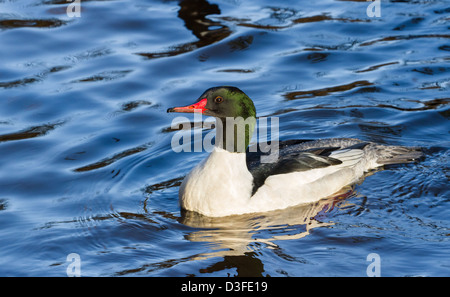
194	14
237	239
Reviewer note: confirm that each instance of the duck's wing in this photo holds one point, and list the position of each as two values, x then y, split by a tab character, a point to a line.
301	156
254	152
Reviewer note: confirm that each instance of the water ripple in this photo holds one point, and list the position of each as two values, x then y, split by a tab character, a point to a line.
105	183
107	161
31	23
326	91
31	132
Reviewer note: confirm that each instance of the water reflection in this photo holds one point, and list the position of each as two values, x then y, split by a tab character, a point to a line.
241	235
77	150
326	91
31	79
248	265
302	20
31	132
403	37
194	14
109	160
432	104
31	23
3	204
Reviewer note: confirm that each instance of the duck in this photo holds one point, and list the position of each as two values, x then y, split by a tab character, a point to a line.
232	180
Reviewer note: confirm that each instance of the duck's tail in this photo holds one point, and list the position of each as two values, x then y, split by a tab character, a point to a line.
397	154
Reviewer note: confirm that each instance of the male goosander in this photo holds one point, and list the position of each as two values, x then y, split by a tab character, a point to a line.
231	181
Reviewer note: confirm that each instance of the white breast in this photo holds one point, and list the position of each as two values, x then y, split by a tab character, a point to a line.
220	185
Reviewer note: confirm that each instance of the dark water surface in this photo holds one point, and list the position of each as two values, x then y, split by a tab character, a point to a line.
86	165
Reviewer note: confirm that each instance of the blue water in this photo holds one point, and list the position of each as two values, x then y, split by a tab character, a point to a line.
86	164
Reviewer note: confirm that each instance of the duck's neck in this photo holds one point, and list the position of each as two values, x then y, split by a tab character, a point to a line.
234	134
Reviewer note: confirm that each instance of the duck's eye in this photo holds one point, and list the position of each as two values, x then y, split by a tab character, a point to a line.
218	99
